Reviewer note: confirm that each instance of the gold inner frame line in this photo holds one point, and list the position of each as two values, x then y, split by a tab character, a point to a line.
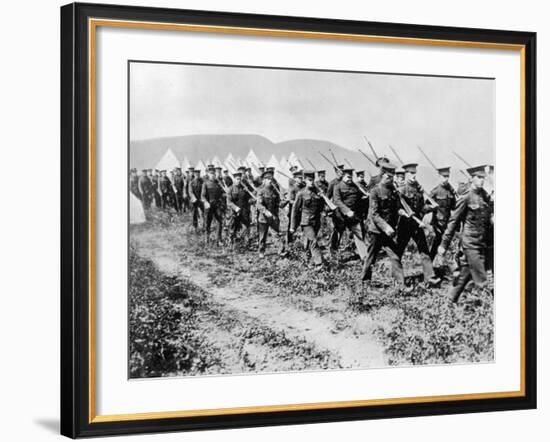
92	28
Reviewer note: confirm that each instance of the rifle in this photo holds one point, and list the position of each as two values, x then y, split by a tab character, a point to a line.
462	159
396	155
333	157
328	161
428	159
367	157
311	164
349	164
371	148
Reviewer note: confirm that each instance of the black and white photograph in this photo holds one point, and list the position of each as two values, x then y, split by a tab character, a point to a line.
284	220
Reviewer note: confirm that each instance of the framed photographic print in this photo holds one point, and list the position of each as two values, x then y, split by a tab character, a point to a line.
274	220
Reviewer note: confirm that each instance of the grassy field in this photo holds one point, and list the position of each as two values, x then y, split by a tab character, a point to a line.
214	310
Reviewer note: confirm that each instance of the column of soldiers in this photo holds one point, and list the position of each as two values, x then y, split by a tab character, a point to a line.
384	214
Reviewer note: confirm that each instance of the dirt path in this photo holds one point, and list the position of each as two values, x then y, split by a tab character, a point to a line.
352	349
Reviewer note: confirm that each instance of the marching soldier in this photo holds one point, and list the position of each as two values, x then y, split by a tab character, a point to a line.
166	191
154	177
445	197
257	181
212	196
291	197
321	183
145	188
364	203
410	225
347	198
306	213
475	211
268	205
375	179
399	177
197	206
384	207
134	180
227	180
238	199
179	185
337	220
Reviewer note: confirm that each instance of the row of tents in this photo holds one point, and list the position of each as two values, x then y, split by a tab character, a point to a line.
169	161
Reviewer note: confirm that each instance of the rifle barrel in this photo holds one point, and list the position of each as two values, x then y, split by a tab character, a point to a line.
396	155
428	158
462	159
314	168
371	148
367	157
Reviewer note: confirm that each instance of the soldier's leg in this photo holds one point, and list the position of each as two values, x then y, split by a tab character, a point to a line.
463	278
392	252
310	232
403	236
436	241
358	236
195	215
219	219
373	247
420	239
275	224
262	236
209	215
476	263
337	230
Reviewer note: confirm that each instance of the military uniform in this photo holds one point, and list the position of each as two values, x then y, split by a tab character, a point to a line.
167	192
364	203
179	185
268	199
195	188
238	199
146	191
212	192
474	210
292	194
322	185
156	190
338	225
384	206
306	213
373	182
445	197
408	228
347	197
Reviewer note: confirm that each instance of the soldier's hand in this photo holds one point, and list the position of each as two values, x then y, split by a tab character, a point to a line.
402	213
292	230
441	250
422	225
268	213
238	209
390	231
350	214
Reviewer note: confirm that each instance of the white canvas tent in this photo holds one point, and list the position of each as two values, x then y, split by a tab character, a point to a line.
168	161
185	164
252	160
201	166
137	214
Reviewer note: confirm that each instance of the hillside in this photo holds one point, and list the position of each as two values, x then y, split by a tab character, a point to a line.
147	153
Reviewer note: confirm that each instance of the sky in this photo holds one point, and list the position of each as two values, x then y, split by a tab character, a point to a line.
438	113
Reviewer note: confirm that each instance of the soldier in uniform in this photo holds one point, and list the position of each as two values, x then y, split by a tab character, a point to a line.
410	225
375	179
197	206
238	200
337	221
186	182
445	197
321	183
213	198
257	181
475	211
227	180
166	191
306	213
364	204
293	190
399	177
179	184
384	207
134	179
154	177
268	205
347	198
145	189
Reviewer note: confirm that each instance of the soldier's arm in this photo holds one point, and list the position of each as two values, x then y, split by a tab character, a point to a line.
203	193
338	201
454	222
378	220
140	187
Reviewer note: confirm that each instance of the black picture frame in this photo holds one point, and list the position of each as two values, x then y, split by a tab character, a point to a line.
75	220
